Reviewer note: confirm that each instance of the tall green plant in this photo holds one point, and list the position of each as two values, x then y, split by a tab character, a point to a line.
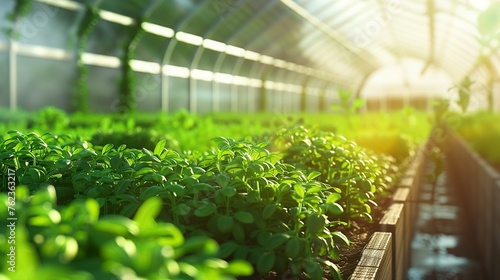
127	82
80	99
347	104
464	93
21	9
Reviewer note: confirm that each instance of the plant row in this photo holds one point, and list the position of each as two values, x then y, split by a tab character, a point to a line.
481	131
279	205
75	242
396	133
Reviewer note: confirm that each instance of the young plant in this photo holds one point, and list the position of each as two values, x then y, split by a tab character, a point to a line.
464	93
348	105
74	242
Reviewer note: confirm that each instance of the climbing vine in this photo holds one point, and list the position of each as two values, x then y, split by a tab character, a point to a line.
21	9
80	99
127	82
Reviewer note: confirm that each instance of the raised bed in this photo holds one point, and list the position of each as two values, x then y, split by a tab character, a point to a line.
387	255
376	259
479	182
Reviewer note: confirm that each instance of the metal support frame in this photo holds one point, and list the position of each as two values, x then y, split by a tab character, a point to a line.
12	75
199	53
168	51
221	57
431	11
322	27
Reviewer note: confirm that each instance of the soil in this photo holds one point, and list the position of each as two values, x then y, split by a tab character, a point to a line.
359	234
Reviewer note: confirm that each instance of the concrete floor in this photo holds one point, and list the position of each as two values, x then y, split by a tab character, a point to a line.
443	247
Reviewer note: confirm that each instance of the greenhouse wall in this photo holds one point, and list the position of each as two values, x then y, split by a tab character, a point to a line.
44	82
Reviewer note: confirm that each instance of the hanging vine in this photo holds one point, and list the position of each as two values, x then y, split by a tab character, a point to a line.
80	100
21	9
127	82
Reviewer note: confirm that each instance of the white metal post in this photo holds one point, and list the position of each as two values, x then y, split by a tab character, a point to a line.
13	75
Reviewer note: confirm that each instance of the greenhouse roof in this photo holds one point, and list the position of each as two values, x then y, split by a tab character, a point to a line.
286	43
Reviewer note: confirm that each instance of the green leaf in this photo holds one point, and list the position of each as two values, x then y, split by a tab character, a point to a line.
177	189
116	225
269	210
159	147
62	163
45	194
116	162
144	171
335	209
275	241
238	233
241	252
334	270
122	186
222	180
313	175
154	177
92	208
299	191
63	247
228	191
165	234
107	148
266	262
314	190
313	269
292	248
333	197
226	249
244	217
239	268
205	210
150	192
128	198
148	211
195	188
129	209
315	223
47	219
181	209
225	223
341	238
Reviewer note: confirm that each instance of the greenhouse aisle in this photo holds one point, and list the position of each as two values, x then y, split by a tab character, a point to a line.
443	245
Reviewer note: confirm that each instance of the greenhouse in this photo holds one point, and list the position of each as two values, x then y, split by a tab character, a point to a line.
249	139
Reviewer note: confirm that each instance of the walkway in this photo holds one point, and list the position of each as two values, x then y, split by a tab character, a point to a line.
443	246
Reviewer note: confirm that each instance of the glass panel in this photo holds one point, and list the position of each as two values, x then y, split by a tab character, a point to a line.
46	25
103	89
4	79
170	13
107	38
183	54
129	8
178	97
151	47
202	19
148	96
39	87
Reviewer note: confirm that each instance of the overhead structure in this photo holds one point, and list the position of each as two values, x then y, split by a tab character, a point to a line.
242	55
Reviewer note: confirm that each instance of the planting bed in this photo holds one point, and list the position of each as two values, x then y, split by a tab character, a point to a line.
391	257
289	202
